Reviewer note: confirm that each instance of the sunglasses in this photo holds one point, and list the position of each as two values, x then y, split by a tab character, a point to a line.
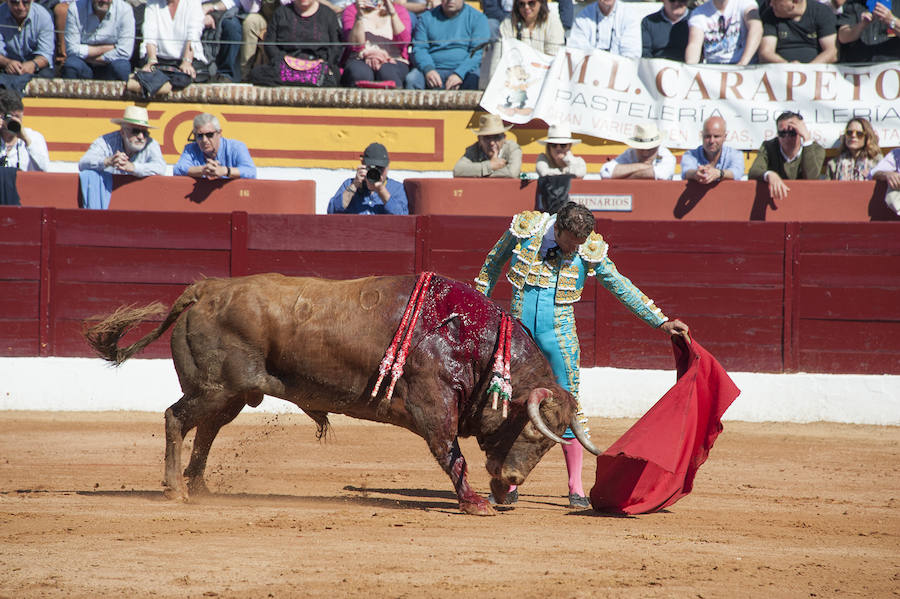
17	2
497	137
193	136
854	133
787	133
528	3
137	131
553	145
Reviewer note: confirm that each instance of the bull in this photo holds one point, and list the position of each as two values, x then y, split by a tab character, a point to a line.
318	343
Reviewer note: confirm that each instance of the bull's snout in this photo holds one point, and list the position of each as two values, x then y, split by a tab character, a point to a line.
507	473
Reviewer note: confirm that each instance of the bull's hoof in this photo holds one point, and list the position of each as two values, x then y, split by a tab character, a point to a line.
197	486
477	508
173	494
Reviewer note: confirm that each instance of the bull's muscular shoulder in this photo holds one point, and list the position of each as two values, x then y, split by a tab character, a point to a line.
528	223
594	249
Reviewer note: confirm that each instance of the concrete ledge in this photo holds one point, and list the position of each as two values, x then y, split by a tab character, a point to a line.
243	93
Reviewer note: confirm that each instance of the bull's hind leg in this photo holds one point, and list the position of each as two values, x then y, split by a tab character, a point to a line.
207	429
179	421
208	414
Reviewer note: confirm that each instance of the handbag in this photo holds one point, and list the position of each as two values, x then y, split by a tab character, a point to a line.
301	71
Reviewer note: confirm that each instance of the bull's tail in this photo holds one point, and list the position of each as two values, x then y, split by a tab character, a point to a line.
104	335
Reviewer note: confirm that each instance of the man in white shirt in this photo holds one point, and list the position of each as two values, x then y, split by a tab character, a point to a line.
644	159
724	32
608	25
20	147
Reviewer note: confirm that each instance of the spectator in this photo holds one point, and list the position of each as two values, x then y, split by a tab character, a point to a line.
370	191
256	15
222	34
889	170
869	36
22	148
174	54
665	32
99	40
301	30
379	32
211	156
724	32
533	23
791	155
558	158
859	153
26	43
492	155
447	47
128	151
607	25
550	258
713	161
496	12
644	159
798	31
58	9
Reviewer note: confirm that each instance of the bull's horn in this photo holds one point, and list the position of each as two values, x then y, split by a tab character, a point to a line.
581	436
534	414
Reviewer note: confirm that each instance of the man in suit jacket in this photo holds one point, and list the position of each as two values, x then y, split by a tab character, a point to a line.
791	155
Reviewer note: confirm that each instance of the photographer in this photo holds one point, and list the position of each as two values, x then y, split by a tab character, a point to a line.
370	191
20	147
791	155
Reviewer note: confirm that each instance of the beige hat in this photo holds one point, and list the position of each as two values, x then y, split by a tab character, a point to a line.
645	137
490	124
559	134
134	115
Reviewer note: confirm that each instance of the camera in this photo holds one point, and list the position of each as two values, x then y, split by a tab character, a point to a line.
374	174
11	124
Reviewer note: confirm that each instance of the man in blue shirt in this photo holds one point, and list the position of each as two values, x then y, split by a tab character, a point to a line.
26	43
212	156
713	161
129	151
447	47
370	191
99	40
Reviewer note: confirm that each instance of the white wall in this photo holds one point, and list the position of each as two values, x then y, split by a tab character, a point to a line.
90	384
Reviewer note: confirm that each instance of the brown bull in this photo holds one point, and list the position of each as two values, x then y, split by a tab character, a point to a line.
318	344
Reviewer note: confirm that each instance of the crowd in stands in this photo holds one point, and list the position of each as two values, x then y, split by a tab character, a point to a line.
161	45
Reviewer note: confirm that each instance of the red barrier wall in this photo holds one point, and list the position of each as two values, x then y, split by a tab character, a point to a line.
834	201
816	297
174	194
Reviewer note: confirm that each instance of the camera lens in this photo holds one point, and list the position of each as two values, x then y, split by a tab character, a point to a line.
373	174
12	125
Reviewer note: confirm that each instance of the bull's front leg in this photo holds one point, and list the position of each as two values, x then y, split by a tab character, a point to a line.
454	464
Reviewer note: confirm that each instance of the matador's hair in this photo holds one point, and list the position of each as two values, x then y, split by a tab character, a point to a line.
575	218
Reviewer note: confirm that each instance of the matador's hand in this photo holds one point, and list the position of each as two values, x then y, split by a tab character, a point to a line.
676	327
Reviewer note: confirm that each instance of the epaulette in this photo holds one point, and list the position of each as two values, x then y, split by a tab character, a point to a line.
528	223
593	249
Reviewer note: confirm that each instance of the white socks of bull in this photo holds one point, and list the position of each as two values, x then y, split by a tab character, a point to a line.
574	454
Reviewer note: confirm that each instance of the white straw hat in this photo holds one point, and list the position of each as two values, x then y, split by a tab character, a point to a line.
645	137
136	116
559	134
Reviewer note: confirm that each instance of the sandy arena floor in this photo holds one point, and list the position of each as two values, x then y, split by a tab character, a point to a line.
779	510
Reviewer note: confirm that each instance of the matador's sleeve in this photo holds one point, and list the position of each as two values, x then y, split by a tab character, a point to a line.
493	264
618	284
523	225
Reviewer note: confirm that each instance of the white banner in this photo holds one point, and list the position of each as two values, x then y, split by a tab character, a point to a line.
604	95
